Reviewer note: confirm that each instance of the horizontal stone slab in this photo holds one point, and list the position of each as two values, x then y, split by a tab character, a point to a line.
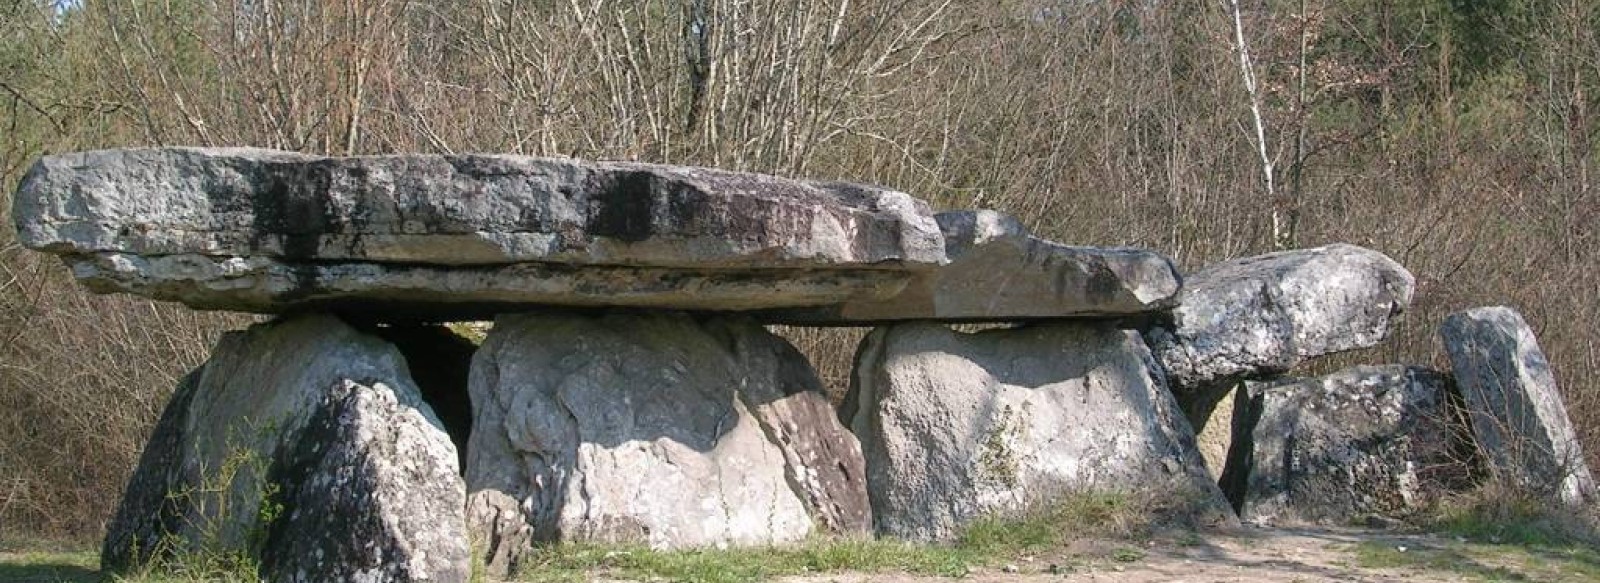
451	237
461	210
998	271
397	291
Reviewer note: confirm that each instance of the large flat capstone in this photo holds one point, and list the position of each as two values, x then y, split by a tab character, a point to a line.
468	237
270	231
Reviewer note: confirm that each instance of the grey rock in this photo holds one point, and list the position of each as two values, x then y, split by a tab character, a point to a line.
371	492
221	455
958	426
388	291
652	428
1517	414
998	271
269	231
1262	315
1370	441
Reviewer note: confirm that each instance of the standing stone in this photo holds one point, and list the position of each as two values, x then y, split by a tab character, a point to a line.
652	428
958	426
1262	315
241	459
363	490
1370	441
1511	396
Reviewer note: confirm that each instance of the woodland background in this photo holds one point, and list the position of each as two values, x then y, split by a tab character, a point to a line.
1458	136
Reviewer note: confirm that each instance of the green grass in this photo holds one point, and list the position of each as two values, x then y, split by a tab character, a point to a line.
985	542
578	562
1486	562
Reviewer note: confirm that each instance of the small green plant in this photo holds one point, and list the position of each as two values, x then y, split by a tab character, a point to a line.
1127	555
209	549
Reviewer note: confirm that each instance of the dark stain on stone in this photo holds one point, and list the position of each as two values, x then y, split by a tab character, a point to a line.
623	206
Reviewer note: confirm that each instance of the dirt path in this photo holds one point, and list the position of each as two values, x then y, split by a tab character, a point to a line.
1257	555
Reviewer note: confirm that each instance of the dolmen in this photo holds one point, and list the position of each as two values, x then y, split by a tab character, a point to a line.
629	390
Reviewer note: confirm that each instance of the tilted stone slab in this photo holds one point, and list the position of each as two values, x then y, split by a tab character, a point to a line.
1262	315
1376	442
998	271
304	445
655	429
956	427
270	231
1516	409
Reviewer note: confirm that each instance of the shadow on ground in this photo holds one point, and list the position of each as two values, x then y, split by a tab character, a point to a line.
21	569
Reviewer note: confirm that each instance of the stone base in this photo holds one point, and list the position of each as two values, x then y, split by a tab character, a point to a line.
656	429
957	426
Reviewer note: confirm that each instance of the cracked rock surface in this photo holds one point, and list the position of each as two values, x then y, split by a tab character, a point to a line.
652	428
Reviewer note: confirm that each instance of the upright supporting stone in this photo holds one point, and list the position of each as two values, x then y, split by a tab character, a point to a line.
958	426
1371	441
652	428
1516	410
303	445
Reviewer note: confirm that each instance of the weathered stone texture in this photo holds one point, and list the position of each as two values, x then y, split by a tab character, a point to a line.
652	428
1516	409
371	493
957	426
456	237
225	447
1370	441
1263	315
998	271
459	210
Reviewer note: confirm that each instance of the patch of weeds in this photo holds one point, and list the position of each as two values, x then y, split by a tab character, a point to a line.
575	562
1508	515
1127	555
1385	555
1113	515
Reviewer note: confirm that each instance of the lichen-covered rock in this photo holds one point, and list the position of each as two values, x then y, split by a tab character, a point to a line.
652	428
459	236
1371	441
1262	315
1517	414
369	492
958	426
998	271
217	474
